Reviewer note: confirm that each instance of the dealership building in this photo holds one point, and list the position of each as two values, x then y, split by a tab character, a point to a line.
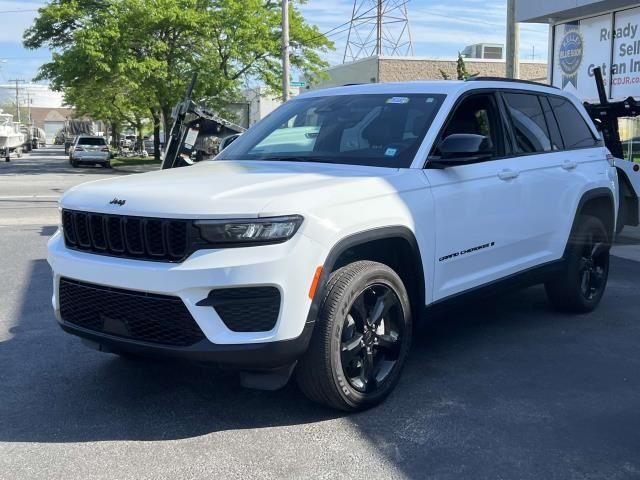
585	34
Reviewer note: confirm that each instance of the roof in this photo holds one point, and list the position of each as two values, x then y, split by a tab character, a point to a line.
551	12
447	87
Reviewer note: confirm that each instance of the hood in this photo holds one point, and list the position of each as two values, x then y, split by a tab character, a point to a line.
217	189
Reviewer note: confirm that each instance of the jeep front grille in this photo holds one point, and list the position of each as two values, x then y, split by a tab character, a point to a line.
126	236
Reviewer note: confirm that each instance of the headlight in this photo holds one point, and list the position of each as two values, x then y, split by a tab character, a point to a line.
249	231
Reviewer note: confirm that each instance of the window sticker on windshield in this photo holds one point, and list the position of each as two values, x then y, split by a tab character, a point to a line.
390	152
430	100
398	100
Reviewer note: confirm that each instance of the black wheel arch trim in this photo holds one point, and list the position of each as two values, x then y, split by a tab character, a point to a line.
361	238
594	194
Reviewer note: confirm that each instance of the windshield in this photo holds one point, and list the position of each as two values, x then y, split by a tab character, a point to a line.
375	130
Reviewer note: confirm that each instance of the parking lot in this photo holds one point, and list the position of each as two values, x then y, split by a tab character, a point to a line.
499	388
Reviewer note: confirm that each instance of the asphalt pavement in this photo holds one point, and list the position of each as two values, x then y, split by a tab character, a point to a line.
502	388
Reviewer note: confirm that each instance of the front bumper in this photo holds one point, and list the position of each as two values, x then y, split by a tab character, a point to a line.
250	356
289	267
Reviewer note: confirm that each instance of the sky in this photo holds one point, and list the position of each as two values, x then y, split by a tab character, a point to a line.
439	28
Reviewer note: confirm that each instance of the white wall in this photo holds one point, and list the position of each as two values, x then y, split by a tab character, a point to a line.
360	71
262	102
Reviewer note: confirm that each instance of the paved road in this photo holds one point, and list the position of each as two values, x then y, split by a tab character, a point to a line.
503	388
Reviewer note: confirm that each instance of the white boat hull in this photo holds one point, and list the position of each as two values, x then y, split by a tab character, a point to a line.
11	141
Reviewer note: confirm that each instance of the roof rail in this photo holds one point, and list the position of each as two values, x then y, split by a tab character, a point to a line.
514	80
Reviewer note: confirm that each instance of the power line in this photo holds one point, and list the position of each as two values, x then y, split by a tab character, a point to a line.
346	24
470	20
17	81
19	11
386	31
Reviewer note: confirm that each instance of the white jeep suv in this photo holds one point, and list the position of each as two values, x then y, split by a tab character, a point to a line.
314	242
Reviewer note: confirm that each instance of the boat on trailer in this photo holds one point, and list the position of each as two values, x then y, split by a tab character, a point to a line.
11	138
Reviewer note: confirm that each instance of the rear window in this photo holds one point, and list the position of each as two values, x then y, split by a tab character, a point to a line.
573	127
529	125
91	141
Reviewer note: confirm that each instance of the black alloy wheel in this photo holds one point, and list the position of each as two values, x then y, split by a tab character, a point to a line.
579	287
361	338
371	338
594	264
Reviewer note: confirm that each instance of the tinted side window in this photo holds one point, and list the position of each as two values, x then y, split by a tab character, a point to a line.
575	131
478	115
554	129
529	124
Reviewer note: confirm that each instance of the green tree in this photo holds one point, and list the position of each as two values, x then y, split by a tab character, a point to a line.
121	58
461	70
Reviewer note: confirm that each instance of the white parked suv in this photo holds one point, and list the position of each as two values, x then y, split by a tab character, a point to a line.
90	149
316	241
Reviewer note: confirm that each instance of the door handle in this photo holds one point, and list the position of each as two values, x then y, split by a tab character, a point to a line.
508	174
569	165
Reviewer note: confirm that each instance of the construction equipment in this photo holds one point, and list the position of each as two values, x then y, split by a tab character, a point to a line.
193	123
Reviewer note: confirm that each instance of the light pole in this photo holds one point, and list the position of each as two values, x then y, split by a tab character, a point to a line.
285	50
513	42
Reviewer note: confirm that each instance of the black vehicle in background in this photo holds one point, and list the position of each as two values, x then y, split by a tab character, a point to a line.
71	130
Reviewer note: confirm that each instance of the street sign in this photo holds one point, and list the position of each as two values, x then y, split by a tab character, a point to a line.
298	84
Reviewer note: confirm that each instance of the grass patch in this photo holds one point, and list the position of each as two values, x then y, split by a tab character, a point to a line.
133	161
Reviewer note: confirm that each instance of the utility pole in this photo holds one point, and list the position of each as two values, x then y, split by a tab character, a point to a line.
513	41
379	29
17	81
29	107
285	50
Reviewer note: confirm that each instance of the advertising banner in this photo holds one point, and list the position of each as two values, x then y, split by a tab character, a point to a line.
611	42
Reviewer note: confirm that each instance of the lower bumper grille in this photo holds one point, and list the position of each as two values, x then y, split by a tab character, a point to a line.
129	314
248	309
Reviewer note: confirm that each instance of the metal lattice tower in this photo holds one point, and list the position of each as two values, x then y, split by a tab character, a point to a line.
378	27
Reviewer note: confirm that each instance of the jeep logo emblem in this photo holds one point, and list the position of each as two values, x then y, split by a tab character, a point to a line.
117	201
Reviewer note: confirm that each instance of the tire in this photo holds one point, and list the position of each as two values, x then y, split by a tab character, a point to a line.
344	348
106	164
74	163
581	284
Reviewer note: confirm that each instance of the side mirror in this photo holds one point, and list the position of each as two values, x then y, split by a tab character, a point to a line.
461	148
226	141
